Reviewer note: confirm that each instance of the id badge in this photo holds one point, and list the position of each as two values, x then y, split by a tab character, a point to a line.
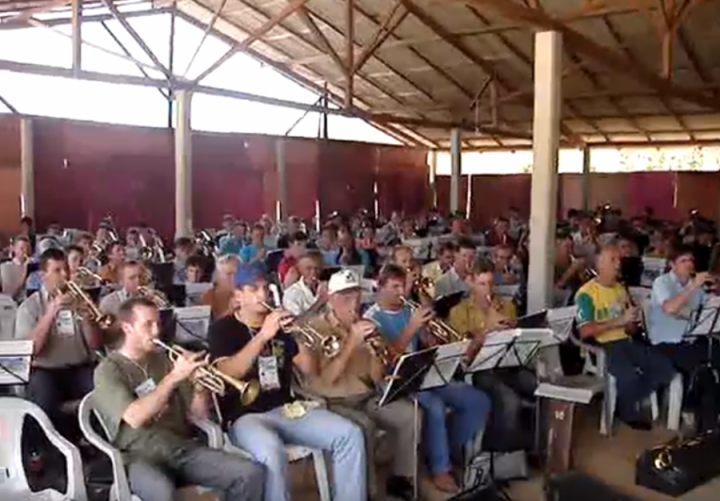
65	323
268	373
146	387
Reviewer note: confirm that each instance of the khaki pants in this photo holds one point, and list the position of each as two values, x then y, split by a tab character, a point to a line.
396	419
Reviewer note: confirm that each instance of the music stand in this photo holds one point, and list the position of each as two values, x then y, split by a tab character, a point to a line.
175	293
167	325
408	376
193	292
705	323
445	364
15	358
163	274
192	324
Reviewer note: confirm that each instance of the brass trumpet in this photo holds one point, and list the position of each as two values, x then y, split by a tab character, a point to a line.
330	346
87	274
214	380
156	297
84	305
438	328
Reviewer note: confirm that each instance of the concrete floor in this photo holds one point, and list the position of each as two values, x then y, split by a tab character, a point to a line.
612	460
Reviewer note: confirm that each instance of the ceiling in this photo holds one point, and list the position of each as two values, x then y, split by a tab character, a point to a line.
634	71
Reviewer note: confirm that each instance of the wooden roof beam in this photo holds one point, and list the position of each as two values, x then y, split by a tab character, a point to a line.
602	54
321	38
386	28
447	125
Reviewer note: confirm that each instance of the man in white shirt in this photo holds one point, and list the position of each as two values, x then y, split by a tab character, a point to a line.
453	280
14	273
308	293
130	276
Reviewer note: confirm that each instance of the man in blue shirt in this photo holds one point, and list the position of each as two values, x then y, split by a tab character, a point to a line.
405	331
254	253
233	242
676	298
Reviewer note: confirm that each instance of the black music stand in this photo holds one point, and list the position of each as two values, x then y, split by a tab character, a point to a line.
168	325
163	274
408	376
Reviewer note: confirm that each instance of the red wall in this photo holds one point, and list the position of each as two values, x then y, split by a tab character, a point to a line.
9	176
85	171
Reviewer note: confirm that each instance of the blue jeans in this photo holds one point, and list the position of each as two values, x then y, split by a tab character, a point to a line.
445	435
639	371
264	437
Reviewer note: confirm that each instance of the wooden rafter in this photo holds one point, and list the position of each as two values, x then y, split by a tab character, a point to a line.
287	11
590	48
349	52
321	38
386	28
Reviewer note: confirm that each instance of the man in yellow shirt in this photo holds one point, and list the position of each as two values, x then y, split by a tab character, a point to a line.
604	312
479	314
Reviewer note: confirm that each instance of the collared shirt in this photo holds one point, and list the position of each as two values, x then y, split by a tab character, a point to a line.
467	317
664	328
110	304
61	349
362	368
110	273
298	298
597	303
230	245
11	273
450	283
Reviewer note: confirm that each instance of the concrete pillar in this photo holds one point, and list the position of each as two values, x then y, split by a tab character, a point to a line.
585	179
432	176
27	169
282	202
543	200
455	169
183	165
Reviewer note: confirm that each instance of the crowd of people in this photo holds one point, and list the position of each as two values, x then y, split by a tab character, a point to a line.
351	280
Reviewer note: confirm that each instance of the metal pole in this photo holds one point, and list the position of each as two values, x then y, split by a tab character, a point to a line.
77	36
171	64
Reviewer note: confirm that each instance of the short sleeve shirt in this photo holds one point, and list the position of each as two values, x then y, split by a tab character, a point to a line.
118	383
597	303
227	336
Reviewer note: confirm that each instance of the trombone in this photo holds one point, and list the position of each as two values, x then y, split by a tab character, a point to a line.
85	302
330	346
212	379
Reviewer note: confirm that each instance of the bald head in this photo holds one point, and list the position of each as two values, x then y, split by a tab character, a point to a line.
608	262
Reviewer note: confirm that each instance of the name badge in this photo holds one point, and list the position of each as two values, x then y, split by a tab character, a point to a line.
146	387
268	373
65	323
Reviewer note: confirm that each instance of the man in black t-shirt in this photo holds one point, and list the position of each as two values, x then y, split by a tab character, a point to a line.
250	344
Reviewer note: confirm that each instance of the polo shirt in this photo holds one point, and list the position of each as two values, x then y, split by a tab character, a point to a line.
597	303
664	328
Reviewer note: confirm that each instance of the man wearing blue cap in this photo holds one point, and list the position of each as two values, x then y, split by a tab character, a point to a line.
251	344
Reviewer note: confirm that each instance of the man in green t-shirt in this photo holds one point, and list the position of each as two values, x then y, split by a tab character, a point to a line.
144	401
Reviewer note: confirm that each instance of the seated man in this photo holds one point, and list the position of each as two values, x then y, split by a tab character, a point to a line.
145	400
110	272
250	344
184	248
195	269
64	342
478	315
220	296
445	257
405	330
294	250
14	273
308	294
349	381
676	298
454	280
504	270
604	312
130	274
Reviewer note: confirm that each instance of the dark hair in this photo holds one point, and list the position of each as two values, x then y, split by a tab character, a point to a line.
183	242
297	237
52	254
20	238
447	247
26	220
195	261
126	312
86	236
679	250
258	226
465	243
482	266
75	248
391	272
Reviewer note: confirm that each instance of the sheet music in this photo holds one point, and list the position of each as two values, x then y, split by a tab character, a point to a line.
580	389
560	320
419	246
15	358
495	353
195	291
195	319
653	267
706	323
8	310
447	361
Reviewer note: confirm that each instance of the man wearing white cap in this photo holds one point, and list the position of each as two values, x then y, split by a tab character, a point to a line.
349	380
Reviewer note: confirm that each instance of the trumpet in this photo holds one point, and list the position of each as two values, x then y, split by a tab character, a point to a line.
311	338
381	350
439	329
156	297
88	275
83	302
214	380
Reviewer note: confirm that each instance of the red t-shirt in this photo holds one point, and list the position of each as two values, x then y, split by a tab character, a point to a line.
285	265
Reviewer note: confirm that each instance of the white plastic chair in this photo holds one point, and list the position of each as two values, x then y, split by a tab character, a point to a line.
8	311
13	481
120	490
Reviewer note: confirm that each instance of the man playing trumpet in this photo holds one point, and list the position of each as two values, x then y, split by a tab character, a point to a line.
145	401
251	343
348	381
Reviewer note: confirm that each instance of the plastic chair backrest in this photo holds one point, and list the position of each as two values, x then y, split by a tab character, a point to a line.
8	311
12	472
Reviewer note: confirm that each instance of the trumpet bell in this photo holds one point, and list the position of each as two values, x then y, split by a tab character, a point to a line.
249	391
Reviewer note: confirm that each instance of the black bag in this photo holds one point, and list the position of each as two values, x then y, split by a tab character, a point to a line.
702	395
482	493
679	466
574	486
